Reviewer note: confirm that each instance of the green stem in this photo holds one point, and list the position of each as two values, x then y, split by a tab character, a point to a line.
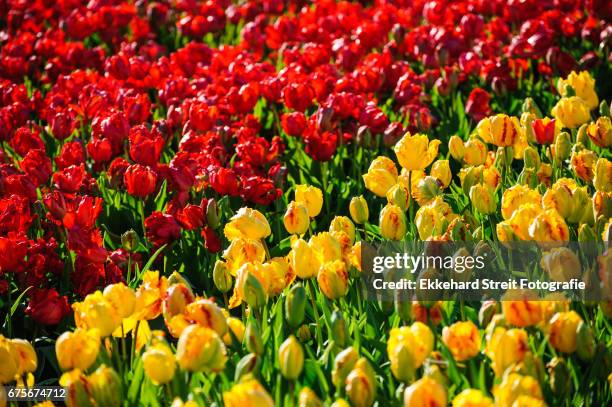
315	310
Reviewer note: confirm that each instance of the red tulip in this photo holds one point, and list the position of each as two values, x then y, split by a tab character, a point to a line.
47	307
161	229
544	130
140	180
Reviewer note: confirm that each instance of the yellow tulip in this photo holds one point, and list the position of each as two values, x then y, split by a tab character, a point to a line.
78	349
549	229
291	358
311	197
236	328
343	224
302	260
358	209
392	222
423	343
400	353
279	275
583	85
483	198
333	279
514	386
456	147
563	328
433	219
241	251
602	180
501	130
247	223
462	339
296	219
343	364
583	163
506	347
416	152
308	398
361	384
517	196
399	195
571	112
381	175
206	313
177	297
521	307
10	361
425	392
247	393
442	172
326	247
472	398
97	312
149	296
560	197
252	281
600	132
105	386
475	152
200	349
159	363
122	297
561	264
26	355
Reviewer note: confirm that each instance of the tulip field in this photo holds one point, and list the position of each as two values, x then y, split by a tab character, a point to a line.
190	193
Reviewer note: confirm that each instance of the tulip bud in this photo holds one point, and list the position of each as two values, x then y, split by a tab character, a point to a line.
339	332
254	292
78	389
361	384
291	358
303	333
295	305
603	175
105	387
342	224
252	336
159	363
427	189
581	134
530	106
129	240
399	195
563	331
340	403
212	213
563	146
364	137
486	312
248	365
528	177
296	219
425	392
343	364
483	198
531	158
560	381
585	342
222	277
604	108
392	222
442	172
456	148
200	348
359	209
308	398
